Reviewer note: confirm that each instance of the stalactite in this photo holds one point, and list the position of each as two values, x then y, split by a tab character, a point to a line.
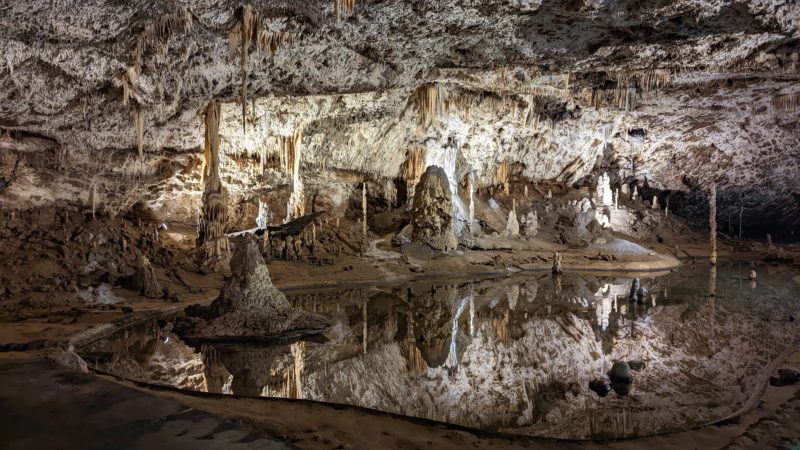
93	198
249	30
416	362
128	79
712	221
415	166
344	8
157	35
138	125
501	177
431	102
786	102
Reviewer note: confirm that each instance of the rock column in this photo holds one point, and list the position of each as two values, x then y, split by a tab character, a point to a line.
712	221
211	237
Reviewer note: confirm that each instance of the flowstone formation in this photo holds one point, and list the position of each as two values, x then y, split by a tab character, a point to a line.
433	211
249	306
211	238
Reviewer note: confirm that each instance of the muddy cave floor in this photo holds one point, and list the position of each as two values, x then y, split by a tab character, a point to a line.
42	399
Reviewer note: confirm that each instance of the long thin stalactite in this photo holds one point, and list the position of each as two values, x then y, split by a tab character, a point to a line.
249	32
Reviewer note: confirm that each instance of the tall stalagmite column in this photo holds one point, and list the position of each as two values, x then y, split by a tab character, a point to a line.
211	237
712	221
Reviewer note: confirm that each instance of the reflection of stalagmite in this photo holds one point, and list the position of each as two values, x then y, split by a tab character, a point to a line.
452	356
635	284
512	294
298	353
365	330
501	327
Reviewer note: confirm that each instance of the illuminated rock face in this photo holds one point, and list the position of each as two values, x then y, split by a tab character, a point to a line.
433	211
715	95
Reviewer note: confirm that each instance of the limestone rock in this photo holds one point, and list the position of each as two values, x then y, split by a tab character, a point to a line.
145	279
249	306
512	226
433	211
531	224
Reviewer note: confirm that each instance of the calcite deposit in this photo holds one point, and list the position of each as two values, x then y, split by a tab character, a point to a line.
156	155
249	306
432	216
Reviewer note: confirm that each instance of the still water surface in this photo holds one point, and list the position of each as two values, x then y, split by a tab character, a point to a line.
515	354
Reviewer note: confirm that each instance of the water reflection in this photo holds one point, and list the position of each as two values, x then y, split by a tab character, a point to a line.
561	356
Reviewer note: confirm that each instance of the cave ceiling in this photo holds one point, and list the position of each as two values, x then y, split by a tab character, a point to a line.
680	93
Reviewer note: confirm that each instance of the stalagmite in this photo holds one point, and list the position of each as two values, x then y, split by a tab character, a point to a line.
145	278
249	306
512	226
604	196
364	211
741	212
635	193
290	158
532	224
616	199
432	215
655	202
712	221
557	268
471	181
262	220
526	191
211	237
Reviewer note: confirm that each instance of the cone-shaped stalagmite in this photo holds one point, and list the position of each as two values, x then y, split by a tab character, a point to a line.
211	237
249	305
146	278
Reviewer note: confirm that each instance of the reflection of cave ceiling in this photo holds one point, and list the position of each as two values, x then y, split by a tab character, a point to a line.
716	108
